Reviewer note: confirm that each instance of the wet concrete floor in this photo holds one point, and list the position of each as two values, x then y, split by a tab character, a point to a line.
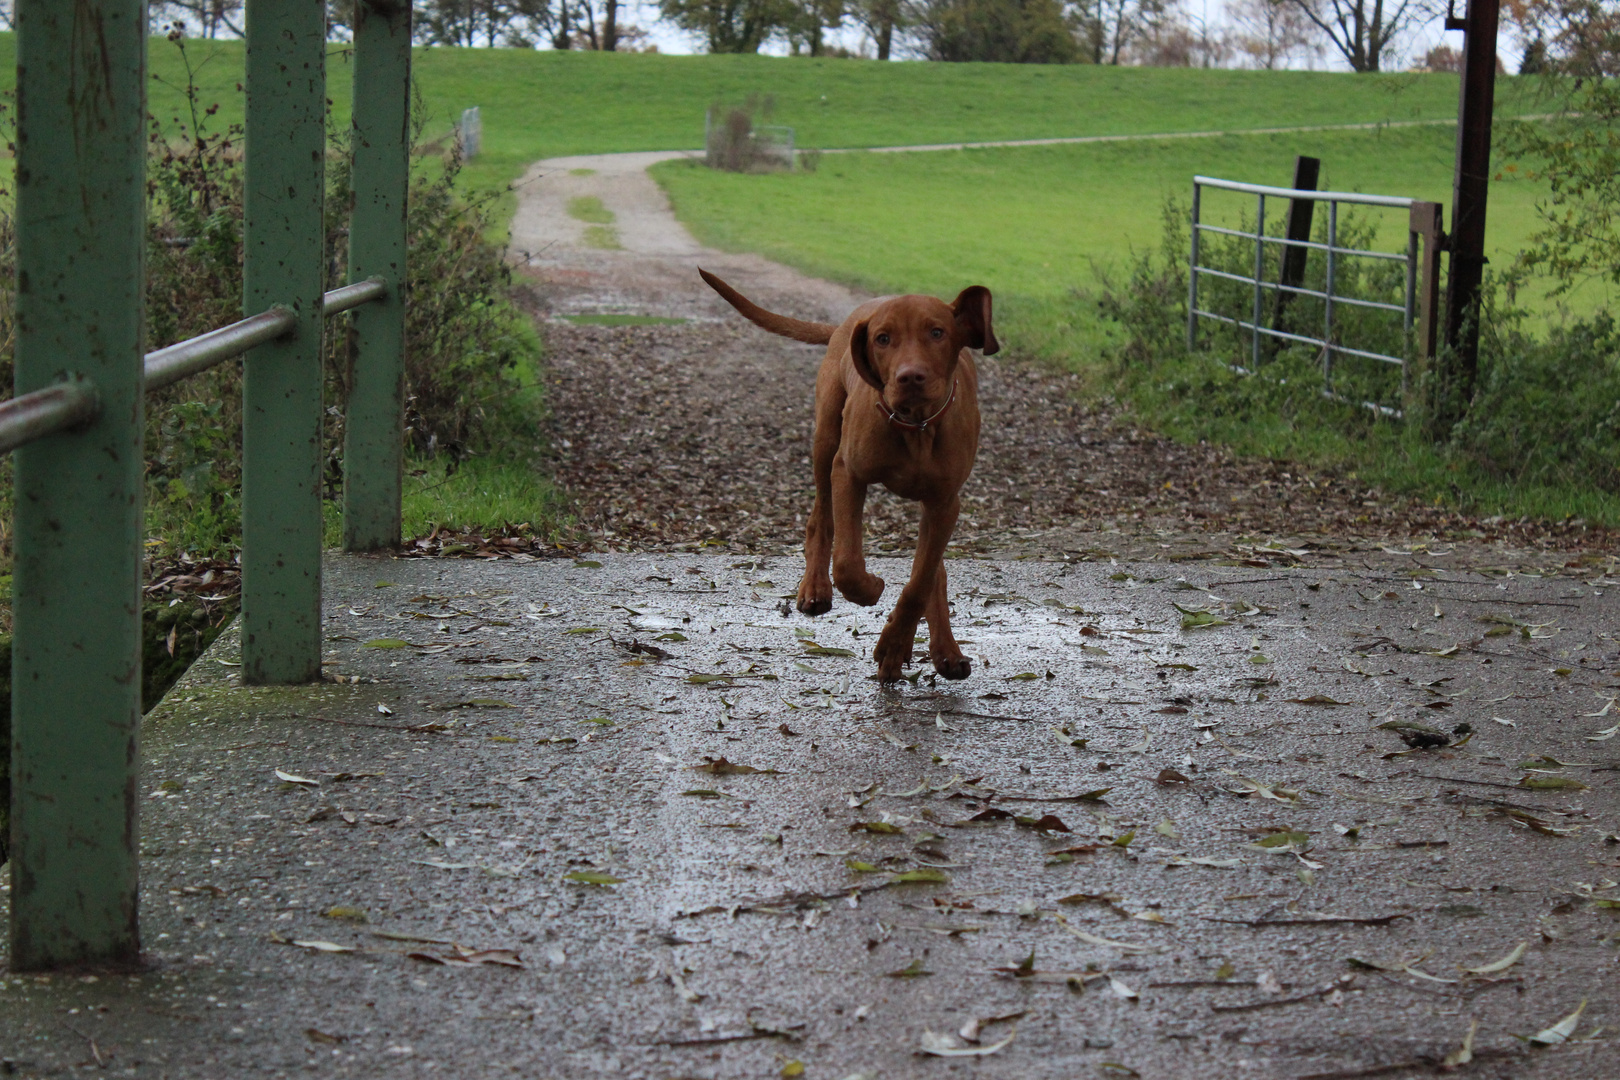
632	820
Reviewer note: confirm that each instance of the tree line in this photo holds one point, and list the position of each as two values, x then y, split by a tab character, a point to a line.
1363	34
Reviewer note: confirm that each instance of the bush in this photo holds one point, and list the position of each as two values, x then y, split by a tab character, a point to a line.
467	347
1546	411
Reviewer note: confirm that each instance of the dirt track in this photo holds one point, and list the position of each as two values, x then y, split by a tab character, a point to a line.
676	436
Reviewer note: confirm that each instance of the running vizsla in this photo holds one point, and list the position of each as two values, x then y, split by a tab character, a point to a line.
897	404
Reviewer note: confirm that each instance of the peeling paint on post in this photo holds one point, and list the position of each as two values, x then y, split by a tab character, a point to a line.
284	252
374	430
76	676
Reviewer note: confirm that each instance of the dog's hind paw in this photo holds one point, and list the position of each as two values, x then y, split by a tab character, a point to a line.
953	667
893	653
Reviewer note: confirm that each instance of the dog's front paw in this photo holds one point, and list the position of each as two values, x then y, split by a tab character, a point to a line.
864	589
953	667
815	598
892	654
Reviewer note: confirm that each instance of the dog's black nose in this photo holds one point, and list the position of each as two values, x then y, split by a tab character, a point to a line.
911	377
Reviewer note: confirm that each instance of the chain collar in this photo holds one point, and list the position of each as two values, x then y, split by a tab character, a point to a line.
909	425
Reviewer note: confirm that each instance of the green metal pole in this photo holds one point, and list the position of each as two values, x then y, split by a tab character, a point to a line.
76	599
374	432
284	254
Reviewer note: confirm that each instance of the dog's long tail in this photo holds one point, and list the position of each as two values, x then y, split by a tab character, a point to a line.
811	333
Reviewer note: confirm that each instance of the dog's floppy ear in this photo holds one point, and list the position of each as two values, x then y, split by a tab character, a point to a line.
972	309
860	354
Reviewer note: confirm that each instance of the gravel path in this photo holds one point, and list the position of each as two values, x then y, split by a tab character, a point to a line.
673	437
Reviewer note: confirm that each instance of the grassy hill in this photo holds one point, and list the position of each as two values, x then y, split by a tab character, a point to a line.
545	104
1062	218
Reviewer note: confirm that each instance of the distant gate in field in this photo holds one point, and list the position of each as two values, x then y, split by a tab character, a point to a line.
1330	289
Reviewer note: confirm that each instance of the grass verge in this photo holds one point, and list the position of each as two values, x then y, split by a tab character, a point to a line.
1051	229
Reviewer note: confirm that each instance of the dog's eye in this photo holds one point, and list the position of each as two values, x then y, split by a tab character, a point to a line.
936	333
882	339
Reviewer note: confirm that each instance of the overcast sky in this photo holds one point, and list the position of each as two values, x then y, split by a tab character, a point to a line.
670	40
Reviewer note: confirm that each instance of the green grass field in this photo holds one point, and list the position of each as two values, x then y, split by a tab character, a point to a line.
1042	225
547	104
1048	227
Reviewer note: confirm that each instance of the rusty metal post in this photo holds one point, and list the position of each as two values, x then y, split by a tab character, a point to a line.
76	654
1456	381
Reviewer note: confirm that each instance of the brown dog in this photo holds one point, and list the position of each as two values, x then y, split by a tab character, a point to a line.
897	404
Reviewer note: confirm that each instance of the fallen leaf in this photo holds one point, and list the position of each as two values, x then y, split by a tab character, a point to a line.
323	946
1045	823
1503	964
585	877
387	643
824	650
925	876
1559	1032
1552	783
289	778
1197	620
1464	1053
341	911
1315	699
913	970
949	1046
721	767
882	828
1093	939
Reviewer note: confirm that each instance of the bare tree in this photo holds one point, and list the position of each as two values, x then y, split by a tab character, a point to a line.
730	26
1364	31
1271	32
208	18
1179	38
1570	37
1106	28
481	22
806	31
881	19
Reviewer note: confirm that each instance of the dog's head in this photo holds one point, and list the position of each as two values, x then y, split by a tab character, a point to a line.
908	348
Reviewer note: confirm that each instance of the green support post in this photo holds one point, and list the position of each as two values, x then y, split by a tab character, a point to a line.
76	597
374	431
284	253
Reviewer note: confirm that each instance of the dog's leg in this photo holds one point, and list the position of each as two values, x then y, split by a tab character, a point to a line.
942	647
815	588
893	650
849	560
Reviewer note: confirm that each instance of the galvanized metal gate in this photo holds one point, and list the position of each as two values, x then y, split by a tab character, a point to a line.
1419	262
76	421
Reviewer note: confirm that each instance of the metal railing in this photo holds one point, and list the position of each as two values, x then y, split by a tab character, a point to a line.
1418	294
76	423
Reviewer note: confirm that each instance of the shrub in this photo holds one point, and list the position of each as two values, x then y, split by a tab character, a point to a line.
1545	411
